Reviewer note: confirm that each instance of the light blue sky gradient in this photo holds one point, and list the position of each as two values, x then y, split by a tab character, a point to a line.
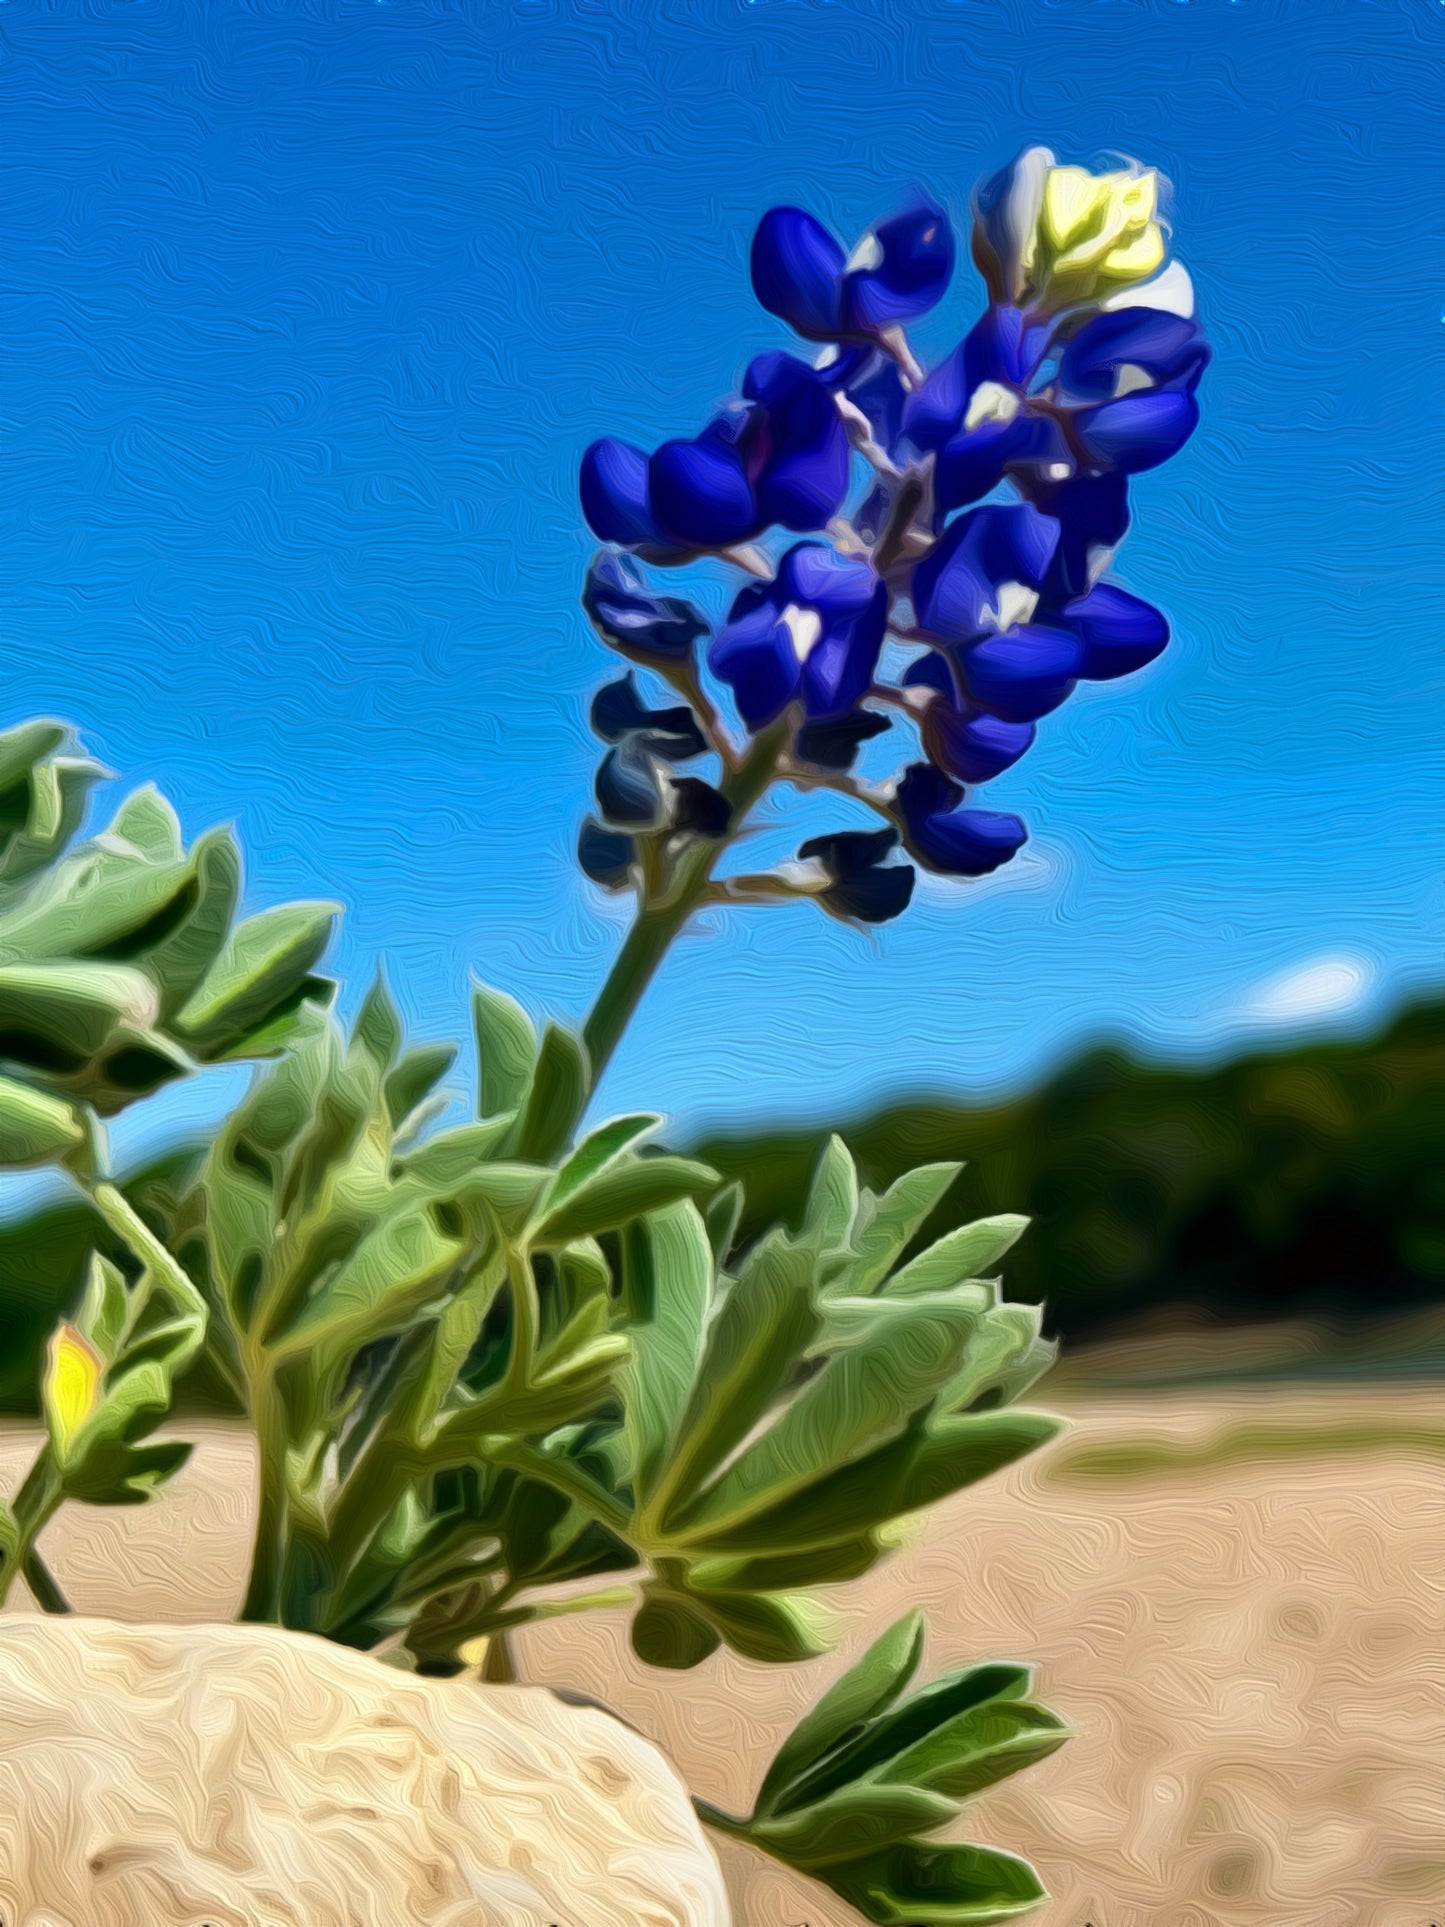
309	309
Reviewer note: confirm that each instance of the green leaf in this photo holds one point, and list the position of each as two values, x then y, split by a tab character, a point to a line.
982	1745
895	1220
962	1254
392	1274
115	1473
800	1568
866	1690
147	820
27	744
779	1629
723	1213
668	1633
1006	1337
914	1885
555	1099
753	1347
415	1075
859	1400
105	1309
457	1157
892	1732
506	1050
833	1199
625	1189
35	1128
854	1823
378	1025
671	1248
260	962
596	1152
960	1450
503	1194
179	960
72	1008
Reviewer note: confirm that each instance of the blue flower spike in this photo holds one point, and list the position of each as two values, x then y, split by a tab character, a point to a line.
1081	373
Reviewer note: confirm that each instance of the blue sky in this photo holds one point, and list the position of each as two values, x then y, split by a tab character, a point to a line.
309	309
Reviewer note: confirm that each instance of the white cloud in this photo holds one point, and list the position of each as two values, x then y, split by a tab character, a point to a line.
1320	987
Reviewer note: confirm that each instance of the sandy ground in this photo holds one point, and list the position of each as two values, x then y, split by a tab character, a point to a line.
1250	1639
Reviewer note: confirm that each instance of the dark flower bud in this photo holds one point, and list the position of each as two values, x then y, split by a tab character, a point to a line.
833	742
673	734
604	855
699	808
647	627
862	889
628	789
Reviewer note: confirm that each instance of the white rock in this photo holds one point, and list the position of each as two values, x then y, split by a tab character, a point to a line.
237	1776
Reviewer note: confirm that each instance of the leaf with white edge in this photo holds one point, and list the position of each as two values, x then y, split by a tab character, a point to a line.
723	1214
627	1188
454	1158
965	1253
506	1050
894	1221
752	1348
672	1247
861	1399
261	961
35	1128
833	1199
596	1151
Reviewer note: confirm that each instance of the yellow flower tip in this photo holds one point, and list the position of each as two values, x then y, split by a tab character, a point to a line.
73	1373
1097	229
474	1653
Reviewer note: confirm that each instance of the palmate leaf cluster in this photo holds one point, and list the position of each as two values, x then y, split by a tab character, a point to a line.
489	1363
122	966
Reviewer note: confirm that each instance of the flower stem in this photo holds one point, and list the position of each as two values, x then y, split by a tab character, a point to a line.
657	924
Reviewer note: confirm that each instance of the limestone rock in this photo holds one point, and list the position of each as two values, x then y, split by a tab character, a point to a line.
238	1776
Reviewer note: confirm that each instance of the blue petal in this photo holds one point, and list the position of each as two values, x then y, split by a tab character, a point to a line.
795	445
973	747
646	627
700	492
840	667
1024	674
1003	346
956	585
1138	432
972	464
949	840
914	271
837	586
1170	349
1120	633
1092	512
613	486
797	269
878	390
933	412
673	734
932	672
862	888
754	655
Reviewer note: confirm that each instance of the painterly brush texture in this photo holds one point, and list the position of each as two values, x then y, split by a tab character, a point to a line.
311	309
250	1777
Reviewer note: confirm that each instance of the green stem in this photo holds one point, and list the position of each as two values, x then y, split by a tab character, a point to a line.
657	924
263	1594
43	1586
34	1505
135	1233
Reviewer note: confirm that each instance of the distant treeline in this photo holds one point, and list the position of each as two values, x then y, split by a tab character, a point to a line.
1301	1182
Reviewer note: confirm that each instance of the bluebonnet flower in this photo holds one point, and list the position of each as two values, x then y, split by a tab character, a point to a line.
647	628
861	887
783	458
946	838
814	634
898	271
618	713
605	856
1012	649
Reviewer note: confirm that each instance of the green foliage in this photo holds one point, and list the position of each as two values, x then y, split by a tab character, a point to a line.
121	966
873	1767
